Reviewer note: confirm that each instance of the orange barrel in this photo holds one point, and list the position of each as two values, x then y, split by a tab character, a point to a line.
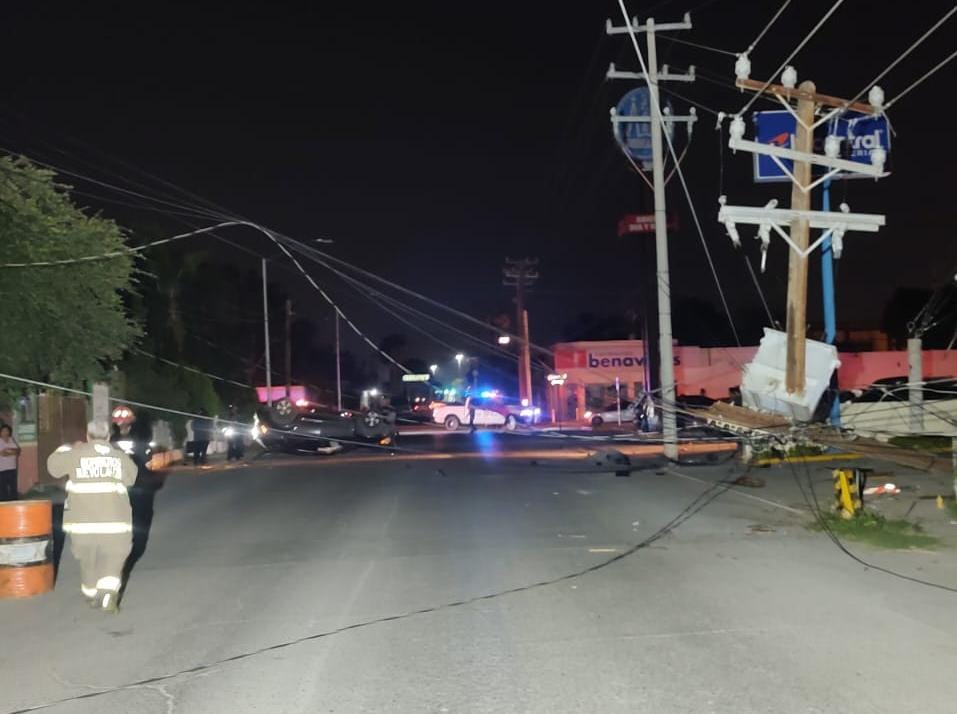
26	548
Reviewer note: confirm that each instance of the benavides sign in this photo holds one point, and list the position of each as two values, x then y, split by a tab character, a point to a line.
612	357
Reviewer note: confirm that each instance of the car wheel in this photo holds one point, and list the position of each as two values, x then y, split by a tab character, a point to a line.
283	412
511	423
452	422
372	425
597	421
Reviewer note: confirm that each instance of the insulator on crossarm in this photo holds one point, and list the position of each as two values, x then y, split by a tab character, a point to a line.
737	128
832	146
837	243
733	233
742	66
789	77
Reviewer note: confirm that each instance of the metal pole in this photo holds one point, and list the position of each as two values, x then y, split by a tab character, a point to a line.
618	397
915	384
668	423
830	309
288	348
266	337
338	366
796	369
526	365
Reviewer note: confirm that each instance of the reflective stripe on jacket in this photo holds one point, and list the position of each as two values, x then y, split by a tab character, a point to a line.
98	476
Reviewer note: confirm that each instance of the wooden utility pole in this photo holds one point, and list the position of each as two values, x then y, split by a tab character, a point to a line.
521	274
808	101
800	233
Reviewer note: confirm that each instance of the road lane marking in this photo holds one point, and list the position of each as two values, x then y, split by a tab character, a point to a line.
738	492
603	550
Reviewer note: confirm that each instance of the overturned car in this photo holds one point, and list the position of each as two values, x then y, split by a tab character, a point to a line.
314	428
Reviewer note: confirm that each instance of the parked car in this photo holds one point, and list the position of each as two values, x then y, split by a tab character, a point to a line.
610	414
487	413
895	389
316	428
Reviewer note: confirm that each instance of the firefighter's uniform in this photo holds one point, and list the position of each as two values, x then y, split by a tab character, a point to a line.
97	514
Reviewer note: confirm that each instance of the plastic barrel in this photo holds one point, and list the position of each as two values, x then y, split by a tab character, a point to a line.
26	548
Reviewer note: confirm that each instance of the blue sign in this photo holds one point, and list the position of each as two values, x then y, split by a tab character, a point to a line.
859	134
634	137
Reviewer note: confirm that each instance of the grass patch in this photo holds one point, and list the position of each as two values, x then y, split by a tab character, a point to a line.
922	443
877	531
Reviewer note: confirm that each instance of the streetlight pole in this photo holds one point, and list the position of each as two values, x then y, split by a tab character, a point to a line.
266	336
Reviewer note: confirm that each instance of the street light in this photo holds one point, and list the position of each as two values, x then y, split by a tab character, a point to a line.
504	339
433	369
458	359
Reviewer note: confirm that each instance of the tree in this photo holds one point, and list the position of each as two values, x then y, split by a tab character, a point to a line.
60	323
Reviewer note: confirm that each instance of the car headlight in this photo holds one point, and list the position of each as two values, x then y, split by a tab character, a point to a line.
228	431
588	415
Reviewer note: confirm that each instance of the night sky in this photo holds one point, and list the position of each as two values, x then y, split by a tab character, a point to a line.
431	140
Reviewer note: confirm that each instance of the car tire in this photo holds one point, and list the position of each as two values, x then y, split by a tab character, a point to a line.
282	413
452	422
511	423
597	421
373	425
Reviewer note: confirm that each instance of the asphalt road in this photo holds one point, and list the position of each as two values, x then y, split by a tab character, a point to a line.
478	585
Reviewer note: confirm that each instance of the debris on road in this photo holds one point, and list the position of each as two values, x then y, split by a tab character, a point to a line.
887	489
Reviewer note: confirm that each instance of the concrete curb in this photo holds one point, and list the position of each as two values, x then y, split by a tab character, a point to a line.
818	458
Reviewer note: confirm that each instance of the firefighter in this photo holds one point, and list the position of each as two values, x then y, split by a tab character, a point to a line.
97	513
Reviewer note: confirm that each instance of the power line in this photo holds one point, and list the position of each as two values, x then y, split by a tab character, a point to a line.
238	220
108	185
900	58
807	38
692	102
118	253
767	27
190	369
718	50
323	256
921	79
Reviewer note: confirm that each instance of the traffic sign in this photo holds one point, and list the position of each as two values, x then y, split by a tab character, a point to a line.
633	124
859	134
643	223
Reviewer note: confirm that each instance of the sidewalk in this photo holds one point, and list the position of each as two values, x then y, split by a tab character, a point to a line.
917	501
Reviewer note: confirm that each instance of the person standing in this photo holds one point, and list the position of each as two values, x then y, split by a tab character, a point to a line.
9	452
470	406
234	435
202	431
97	514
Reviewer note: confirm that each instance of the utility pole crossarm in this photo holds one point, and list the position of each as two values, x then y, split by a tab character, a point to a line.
796	93
612	29
615	73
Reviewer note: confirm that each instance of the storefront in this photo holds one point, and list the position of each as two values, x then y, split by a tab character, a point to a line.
599	373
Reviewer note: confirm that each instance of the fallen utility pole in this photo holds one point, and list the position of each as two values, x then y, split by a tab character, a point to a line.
801	217
796	313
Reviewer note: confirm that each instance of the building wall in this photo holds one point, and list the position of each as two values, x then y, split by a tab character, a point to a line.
716	369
